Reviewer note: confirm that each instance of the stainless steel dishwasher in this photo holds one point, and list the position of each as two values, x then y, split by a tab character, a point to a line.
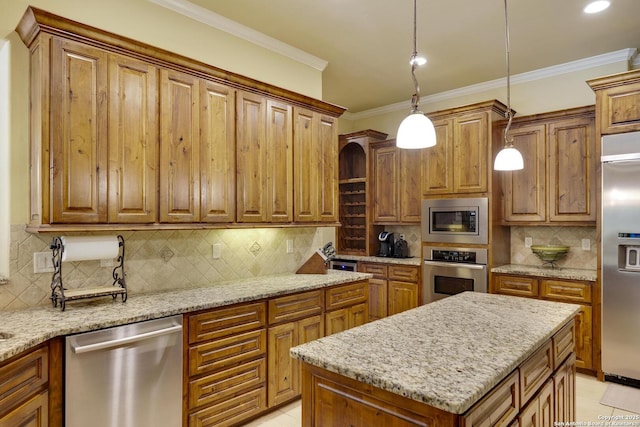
126	376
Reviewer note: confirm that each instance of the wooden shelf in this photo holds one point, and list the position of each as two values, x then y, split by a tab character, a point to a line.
352	181
74	294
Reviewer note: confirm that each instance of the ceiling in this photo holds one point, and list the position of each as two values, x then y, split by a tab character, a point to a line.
367	43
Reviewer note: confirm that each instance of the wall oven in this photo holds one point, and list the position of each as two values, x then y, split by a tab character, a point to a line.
449	271
462	220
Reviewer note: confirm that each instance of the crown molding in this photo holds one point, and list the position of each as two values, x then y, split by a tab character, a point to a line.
629	55
212	19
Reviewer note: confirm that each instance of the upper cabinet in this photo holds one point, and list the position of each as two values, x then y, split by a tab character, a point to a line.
126	135
618	102
558	183
460	163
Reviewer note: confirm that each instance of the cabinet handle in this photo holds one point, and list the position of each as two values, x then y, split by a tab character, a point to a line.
127	340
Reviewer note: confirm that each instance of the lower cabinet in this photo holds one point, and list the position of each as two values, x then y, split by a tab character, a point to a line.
25	397
394	288
572	291
346	306
227	365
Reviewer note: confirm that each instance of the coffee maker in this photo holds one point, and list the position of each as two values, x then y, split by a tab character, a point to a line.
386	244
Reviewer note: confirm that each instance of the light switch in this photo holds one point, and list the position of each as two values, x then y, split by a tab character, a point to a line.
586	244
528	241
289	246
43	262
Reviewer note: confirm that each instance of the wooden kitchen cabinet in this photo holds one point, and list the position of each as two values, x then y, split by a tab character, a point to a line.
264	159
617	102
346	306
558	184
226	379
293	320
135	137
460	163
394	288
571	291
315	174
396	184
29	394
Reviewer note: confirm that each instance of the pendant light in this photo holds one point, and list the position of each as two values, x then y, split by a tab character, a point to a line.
509	158
416	130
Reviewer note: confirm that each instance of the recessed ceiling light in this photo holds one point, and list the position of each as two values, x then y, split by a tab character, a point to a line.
597	6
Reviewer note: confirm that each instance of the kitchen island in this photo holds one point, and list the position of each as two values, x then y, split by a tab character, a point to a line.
470	359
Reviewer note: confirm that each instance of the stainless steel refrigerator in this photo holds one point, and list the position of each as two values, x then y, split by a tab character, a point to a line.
621	258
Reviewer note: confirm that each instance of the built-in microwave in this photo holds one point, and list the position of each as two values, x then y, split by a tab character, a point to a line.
461	220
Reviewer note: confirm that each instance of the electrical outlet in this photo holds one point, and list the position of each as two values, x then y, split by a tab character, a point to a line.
216	250
528	241
586	244
43	262
289	246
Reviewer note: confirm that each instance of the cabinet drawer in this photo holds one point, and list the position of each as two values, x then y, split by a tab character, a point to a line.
231	411
499	407
32	413
347	295
564	342
24	376
403	273
223	322
293	307
225	384
535	371
579	292
518	286
219	354
378	270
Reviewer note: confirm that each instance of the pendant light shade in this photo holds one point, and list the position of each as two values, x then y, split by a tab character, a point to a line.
509	158
416	130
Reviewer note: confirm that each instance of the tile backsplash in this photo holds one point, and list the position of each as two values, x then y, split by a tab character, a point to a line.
161	260
567	236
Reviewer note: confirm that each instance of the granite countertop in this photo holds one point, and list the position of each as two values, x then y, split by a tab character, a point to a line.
540	271
386	260
31	327
447	354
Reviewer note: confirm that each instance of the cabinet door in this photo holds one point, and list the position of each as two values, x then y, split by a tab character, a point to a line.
306	151
32	413
282	370
358	315
78	133
572	170
251	157
525	194
327	169
385	185
402	296
516	286
564	386
279	144
336	321
217	153
437	163
584	333
471	142
179	150
133	141
410	193
377	298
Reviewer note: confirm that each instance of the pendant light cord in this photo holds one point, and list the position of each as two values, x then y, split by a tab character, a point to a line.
415	99
508	113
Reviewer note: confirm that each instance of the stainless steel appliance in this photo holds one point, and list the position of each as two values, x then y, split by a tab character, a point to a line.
343	264
126	376
449	271
386	244
462	220
620	264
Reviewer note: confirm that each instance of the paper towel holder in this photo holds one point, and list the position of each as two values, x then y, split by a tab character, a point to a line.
60	295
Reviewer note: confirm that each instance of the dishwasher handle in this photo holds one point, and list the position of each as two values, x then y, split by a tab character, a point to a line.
126	340
455	265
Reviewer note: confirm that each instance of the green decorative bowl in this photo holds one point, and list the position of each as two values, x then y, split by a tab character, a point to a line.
549	253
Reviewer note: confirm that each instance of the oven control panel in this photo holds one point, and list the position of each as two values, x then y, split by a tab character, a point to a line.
449	254
454	256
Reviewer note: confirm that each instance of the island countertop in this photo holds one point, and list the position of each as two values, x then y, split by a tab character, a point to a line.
30	327
447	354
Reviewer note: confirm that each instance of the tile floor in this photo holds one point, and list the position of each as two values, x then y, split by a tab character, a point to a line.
588	407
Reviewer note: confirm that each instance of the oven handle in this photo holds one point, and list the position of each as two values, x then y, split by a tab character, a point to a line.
455	265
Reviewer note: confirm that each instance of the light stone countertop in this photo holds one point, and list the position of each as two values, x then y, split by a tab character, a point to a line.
447	354
386	260
555	273
31	327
